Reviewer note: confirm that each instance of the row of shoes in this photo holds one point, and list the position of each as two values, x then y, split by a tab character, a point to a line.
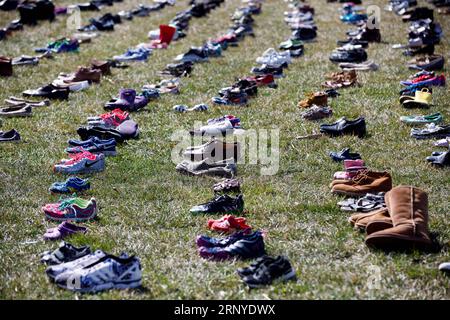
80	269
300	19
423	35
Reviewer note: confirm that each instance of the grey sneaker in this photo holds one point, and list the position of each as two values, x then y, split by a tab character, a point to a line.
317	112
83	165
226	168
432	131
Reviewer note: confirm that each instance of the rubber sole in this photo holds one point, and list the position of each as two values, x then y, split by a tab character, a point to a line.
107	286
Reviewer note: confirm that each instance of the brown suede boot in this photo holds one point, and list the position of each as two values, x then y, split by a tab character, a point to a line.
408	208
364	182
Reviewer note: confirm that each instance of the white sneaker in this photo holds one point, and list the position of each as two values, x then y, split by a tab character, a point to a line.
274	58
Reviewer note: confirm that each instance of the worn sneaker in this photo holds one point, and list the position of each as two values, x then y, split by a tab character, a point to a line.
83	162
254	266
227	185
75	209
106	149
251	246
220	204
278	270
71	185
90	142
110	273
225	168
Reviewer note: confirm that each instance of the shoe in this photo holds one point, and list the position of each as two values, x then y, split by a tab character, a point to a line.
433	62
219	205
276	72
228	224
66	252
63	230
105	149
443	143
354	55
71	185
25	60
209	242
279	270
431	131
83	162
316	113
344	126
440	160
89	142
445	267
408	209
6	69
14	101
304	33
127	101
214	150
178	69
273	58
16	111
111	119
214	129
317	98
365	66
248	247
232	97
255	265
8	5
194	55
9	136
365	181
227	186
109	273
341	79
420	119
83	74
48	91
140	54
226	168
64	268
72	209
344	154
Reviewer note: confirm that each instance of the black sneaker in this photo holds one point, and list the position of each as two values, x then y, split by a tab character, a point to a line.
279	270
65	253
254	266
220	204
277	72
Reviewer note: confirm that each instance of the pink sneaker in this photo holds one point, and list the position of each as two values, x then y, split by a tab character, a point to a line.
344	175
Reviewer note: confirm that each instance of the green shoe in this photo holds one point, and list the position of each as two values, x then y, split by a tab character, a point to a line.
291	44
419	119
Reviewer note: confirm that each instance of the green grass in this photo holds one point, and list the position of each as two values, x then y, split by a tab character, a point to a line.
144	204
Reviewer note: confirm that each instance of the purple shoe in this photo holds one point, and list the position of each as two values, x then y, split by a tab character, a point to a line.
209	242
63	230
127	101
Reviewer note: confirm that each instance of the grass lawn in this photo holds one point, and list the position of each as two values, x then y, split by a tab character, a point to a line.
144	203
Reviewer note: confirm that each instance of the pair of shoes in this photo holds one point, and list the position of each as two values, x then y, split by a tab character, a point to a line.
227	124
81	162
220	204
63	230
197	107
128	100
60	46
97	271
422	119
9	136
267	270
366	203
344	154
16	111
72	184
365	181
343	126
72	208
227	186
317	112
226	168
241	245
431	131
432	62
126	130
31	12
341	79
213	150
348	55
49	91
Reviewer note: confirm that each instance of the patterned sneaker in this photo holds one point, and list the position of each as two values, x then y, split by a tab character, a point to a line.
209	242
71	185
72	209
279	269
65	253
110	273
83	162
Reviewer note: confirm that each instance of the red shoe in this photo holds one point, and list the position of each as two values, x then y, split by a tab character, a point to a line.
263	80
115	117
228	224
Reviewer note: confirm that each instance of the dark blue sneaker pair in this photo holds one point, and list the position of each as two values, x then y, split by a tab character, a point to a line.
71	185
93	145
240	245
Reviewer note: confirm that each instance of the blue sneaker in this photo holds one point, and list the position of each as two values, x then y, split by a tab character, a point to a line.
71	185
354	17
140	54
250	246
91	141
107	149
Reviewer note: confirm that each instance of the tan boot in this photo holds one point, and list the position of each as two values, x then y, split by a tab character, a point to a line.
378	220
364	182
408	208
318	98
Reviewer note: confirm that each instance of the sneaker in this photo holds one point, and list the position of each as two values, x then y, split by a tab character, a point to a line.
421	119
76	263
75	209
317	112
226	168
66	252
106	149
110	273
220	204
110	119
432	131
9	136
227	185
254	266
273	58
210	242
90	142
83	162
71	185
279	269
228	224
250	246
